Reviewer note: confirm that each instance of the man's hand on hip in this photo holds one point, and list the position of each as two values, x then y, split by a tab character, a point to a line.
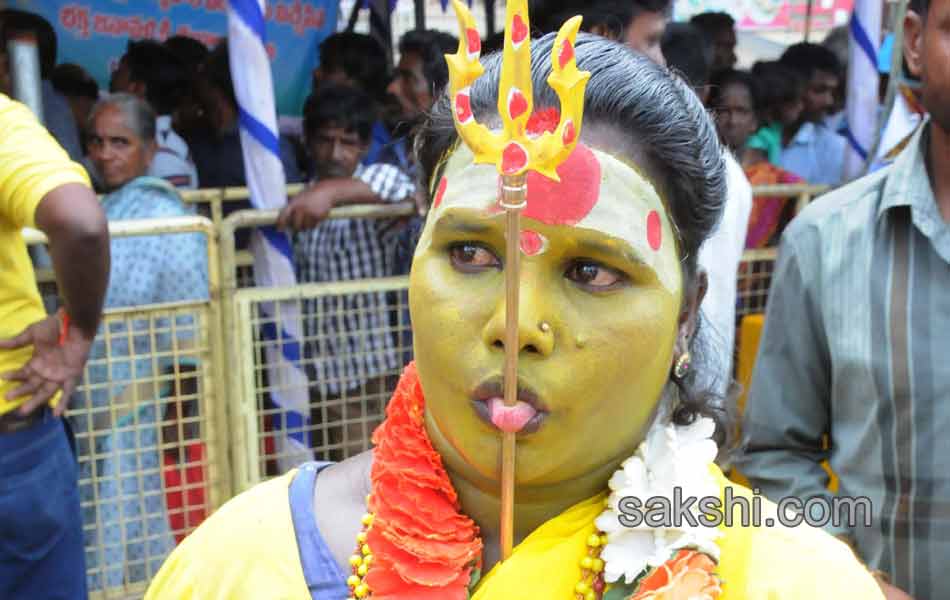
54	366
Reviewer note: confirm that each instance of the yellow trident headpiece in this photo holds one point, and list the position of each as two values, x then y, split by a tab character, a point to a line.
512	150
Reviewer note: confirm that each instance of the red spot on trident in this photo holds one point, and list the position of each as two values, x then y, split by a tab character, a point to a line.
474	41
513	158
463	107
519	30
566	54
517	104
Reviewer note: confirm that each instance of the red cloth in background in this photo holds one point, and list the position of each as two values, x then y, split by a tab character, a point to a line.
186	502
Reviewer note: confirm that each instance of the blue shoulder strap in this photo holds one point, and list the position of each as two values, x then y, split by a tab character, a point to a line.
324	577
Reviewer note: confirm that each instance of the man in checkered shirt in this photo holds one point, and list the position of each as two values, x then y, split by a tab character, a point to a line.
349	340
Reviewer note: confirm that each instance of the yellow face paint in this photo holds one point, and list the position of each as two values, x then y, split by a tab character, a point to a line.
607	292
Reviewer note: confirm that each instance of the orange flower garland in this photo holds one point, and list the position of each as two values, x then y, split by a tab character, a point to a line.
422	546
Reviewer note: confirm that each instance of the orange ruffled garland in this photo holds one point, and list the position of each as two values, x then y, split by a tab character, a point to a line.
423	546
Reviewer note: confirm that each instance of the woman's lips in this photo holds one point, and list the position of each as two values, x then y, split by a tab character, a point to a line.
525	416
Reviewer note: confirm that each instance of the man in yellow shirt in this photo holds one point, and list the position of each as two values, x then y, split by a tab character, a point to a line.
41	357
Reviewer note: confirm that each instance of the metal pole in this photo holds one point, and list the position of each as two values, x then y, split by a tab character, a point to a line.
808	13
25	72
893	84
420	6
380	26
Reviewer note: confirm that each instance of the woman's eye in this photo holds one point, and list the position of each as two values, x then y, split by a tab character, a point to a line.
594	275
473	257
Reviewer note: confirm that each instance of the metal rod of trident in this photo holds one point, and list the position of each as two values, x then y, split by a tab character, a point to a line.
514	152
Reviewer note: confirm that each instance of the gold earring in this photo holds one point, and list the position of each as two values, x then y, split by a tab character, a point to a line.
682	366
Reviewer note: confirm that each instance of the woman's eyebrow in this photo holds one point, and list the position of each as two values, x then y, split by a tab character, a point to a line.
619	249
453	224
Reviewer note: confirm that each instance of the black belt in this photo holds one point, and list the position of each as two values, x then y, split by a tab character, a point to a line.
12	420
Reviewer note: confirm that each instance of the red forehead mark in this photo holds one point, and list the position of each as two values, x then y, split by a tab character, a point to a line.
654	230
545	119
568	201
440	192
532	242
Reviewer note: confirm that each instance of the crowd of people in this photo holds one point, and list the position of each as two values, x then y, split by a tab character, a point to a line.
848	371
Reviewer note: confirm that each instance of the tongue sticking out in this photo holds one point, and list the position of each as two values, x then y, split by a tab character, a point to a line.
511	419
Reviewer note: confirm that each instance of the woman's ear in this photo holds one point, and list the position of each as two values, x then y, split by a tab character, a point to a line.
150	147
913	42
689	313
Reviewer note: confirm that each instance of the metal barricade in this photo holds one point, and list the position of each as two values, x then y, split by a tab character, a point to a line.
802	192
149	422
355	341
211	201
754	280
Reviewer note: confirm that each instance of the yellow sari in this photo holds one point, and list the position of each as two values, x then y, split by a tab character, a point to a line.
248	550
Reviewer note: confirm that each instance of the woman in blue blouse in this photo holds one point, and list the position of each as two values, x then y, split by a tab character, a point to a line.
130	536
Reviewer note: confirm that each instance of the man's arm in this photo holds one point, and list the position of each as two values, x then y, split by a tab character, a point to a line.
787	413
377	184
78	233
72	219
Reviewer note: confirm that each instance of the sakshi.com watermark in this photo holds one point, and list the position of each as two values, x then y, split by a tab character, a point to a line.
730	510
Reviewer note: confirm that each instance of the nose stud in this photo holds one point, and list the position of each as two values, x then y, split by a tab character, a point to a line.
544	326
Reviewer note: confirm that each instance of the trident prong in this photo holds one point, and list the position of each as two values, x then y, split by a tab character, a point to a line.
514	152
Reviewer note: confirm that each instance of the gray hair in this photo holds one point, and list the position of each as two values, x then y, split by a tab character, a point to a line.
139	116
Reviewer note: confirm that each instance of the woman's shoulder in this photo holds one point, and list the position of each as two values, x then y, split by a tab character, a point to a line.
771	560
145	197
246	549
339	502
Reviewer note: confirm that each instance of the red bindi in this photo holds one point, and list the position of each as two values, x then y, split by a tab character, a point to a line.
654	230
440	192
532	242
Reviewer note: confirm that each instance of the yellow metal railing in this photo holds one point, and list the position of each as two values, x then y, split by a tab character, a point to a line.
150	425
340	414
194	419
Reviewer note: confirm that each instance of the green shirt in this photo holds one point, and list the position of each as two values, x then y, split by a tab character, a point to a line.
769	140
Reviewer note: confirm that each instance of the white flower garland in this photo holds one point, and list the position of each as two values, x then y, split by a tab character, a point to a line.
670	457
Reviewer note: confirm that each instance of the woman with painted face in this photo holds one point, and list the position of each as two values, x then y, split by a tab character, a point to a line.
607	415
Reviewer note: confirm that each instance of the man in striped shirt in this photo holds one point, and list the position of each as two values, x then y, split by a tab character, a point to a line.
348	338
856	343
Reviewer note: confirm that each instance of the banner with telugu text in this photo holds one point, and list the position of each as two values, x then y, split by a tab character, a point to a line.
94	34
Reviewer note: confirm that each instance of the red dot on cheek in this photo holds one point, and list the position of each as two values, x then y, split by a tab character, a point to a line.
654	230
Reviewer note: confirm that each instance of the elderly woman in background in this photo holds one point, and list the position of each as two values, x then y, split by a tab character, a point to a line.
124	402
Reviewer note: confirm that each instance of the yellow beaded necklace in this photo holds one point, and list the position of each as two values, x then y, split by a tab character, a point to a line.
590	587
